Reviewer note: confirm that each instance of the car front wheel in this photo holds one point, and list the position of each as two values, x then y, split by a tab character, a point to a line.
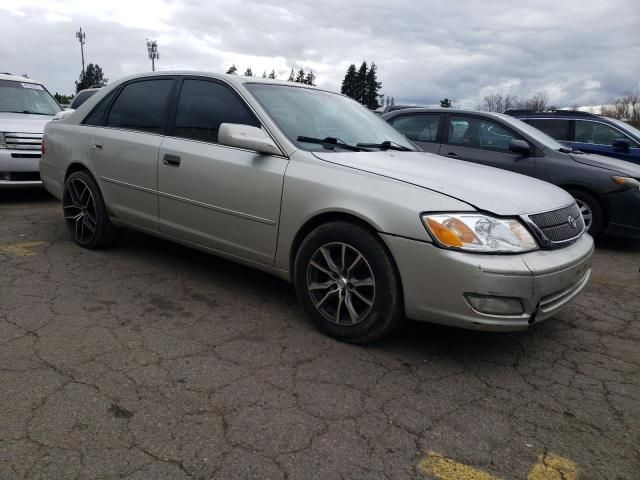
347	283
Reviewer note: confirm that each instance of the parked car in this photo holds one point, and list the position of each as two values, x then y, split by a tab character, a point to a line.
25	107
587	132
312	187
82	96
607	190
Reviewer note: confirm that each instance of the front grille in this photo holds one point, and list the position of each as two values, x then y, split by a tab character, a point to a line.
23	141
557	226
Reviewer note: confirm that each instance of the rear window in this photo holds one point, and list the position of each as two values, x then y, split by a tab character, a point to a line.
81	97
26	97
142	105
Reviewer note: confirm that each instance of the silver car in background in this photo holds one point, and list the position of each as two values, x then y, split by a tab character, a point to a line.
312	187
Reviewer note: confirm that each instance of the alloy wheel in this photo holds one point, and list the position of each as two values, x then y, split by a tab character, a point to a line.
341	284
80	210
587	214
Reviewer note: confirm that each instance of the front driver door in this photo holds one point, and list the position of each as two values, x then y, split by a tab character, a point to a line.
596	137
221	197
479	140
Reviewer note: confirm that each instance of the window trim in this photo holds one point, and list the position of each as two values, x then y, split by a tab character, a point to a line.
440	115
634	143
445	140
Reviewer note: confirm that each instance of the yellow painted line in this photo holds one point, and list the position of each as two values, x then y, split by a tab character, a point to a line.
20	249
446	469
553	467
549	467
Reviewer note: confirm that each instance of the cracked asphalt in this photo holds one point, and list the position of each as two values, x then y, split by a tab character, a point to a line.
153	361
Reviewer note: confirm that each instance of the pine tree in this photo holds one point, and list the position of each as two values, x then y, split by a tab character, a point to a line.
310	79
292	76
232	70
264	74
272	75
91	77
445	103
248	72
371	88
349	82
300	77
361	83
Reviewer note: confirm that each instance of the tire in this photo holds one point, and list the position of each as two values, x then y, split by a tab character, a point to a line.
591	210
85	213
358	299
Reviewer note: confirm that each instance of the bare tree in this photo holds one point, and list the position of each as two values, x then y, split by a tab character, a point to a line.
497	102
625	107
539	102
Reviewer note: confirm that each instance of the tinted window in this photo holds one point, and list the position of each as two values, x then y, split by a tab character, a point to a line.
203	106
558	129
479	133
81	97
420	128
97	115
142	106
597	133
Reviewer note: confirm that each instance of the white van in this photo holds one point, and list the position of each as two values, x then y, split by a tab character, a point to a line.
25	107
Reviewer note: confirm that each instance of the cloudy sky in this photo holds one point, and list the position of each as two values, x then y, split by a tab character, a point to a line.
577	51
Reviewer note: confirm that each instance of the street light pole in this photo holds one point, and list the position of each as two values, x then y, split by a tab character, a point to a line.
80	35
152	48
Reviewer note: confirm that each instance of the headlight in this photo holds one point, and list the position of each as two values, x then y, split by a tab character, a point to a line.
475	232
3	142
627	182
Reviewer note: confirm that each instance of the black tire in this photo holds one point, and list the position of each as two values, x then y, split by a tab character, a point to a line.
85	213
334	316
589	202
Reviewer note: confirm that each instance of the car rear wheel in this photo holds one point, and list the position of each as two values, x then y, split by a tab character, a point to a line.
591	211
85	213
347	283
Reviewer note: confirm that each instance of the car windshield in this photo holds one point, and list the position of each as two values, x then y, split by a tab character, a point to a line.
26	97
316	114
533	132
626	127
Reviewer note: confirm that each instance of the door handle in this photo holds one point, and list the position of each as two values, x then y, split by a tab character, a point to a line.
171	160
453	155
96	146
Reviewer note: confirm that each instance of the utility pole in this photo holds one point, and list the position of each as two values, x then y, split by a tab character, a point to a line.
81	38
152	48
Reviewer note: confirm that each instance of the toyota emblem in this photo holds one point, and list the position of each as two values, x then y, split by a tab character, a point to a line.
572	222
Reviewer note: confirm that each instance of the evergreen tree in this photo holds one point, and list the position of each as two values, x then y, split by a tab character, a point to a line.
310	79
300	77
349	82
361	83
292	76
248	72
272	75
445	103
233	70
92	76
371	88
264	74
393	101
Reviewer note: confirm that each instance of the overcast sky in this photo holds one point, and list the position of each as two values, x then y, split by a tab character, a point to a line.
578	51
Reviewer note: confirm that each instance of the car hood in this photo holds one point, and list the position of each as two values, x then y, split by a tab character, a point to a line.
23	122
610	163
486	188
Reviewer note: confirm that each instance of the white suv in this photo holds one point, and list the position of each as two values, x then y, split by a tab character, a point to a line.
25	107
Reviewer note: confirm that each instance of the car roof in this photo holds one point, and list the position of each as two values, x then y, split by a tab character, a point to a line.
17	78
457	111
551	113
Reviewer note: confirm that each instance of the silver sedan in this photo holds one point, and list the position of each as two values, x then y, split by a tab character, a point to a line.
312	187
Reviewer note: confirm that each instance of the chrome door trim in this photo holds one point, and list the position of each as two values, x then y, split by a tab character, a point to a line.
130	185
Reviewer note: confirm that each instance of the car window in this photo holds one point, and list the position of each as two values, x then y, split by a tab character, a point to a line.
81	97
203	106
97	115
475	132
142	106
26	97
597	133
418	127
556	128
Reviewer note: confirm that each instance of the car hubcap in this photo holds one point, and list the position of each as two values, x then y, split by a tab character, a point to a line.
80	210
586	213
340	283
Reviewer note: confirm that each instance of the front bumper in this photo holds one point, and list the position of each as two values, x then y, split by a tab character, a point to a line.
625	213
19	168
435	281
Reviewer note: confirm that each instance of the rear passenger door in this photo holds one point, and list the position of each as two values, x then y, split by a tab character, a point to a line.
126	130
479	140
221	197
421	128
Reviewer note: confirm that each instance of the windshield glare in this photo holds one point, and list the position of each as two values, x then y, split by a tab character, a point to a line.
305	112
24	97
533	132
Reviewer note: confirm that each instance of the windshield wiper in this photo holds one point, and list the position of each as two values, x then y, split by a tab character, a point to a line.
25	111
386	145
330	143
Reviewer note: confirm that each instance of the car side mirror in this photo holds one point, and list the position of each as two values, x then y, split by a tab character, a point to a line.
520	146
621	145
247	137
63	114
